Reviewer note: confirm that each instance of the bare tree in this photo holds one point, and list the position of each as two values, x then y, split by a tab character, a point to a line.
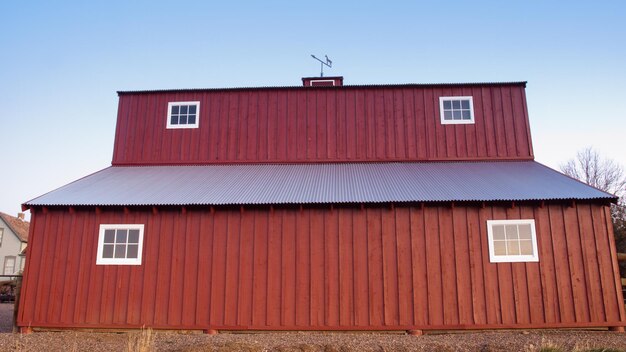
593	169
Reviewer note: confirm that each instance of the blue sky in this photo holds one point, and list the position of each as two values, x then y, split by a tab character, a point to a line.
62	62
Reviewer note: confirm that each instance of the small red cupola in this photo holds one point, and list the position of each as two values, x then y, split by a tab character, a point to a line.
322	81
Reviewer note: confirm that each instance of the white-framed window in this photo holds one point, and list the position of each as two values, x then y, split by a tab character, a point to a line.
512	241
322	82
183	114
120	244
456	110
9	265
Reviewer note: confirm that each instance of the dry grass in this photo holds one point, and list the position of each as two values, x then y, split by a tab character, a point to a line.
549	346
142	341
580	346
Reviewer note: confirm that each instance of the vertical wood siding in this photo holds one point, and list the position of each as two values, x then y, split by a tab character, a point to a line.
318	125
320	268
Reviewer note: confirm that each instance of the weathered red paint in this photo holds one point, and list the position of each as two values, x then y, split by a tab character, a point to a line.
323	124
341	268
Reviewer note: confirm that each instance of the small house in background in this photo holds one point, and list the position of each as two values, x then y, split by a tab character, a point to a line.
13	241
323	207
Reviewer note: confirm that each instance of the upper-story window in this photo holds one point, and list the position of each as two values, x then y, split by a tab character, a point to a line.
456	110
183	114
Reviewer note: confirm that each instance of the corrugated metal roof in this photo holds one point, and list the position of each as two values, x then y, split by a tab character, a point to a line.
320	183
398	85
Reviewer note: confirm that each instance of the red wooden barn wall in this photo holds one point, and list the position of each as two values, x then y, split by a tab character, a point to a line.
323	125
316	268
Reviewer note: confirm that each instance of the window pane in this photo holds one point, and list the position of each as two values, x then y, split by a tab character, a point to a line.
121	236
447	115
120	251
133	249
526	247
107	251
174	120
457	115
511	232
109	236
9	265
499	248
183	120
513	247
447	104
175	109
191	120
456	104
183	109
524	231
465	104
467	115
133	236
498	232
192	109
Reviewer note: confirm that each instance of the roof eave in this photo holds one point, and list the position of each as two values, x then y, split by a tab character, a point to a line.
432	201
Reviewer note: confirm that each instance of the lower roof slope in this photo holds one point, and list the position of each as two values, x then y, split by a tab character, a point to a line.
319	183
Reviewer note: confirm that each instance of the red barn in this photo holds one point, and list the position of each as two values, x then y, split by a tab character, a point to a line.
323	207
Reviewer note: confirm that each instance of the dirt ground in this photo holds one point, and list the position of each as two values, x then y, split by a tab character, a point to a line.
534	340
313	342
6	317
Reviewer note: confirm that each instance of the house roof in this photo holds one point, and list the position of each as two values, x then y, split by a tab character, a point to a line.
319	183
402	85
18	226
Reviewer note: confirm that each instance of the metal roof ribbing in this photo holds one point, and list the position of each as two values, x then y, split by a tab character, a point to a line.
319	183
397	85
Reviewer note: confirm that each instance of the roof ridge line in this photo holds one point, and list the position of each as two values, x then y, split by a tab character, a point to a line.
382	85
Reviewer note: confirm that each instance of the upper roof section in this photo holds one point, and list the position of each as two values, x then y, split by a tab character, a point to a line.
17	225
322	124
320	183
305	79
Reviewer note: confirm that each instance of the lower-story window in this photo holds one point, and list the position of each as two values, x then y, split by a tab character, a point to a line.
512	241
120	244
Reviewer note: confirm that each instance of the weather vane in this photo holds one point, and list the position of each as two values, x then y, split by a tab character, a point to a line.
322	63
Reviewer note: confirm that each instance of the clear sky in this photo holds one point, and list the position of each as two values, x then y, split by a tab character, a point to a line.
61	64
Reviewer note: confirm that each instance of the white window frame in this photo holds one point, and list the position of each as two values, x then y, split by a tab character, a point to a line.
456	122
182	103
6	260
512	258
119	261
321	80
